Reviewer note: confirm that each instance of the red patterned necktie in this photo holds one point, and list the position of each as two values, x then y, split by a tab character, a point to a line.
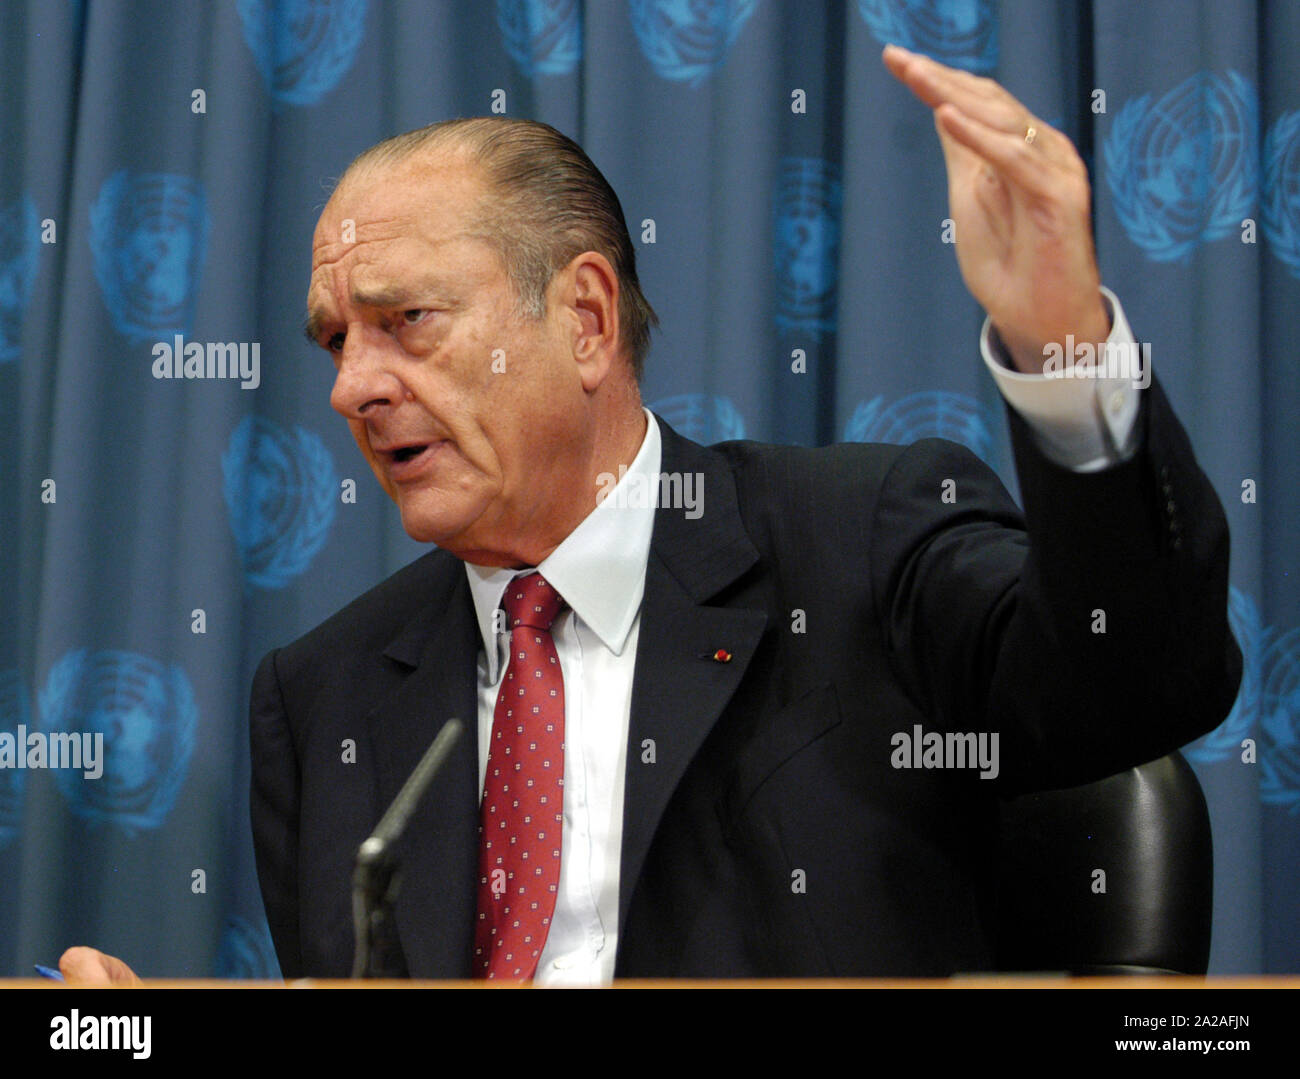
523	809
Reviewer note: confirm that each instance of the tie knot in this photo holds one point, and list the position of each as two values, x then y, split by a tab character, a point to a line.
532	601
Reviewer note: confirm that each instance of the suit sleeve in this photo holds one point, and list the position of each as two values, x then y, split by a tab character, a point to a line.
274	803
1092	637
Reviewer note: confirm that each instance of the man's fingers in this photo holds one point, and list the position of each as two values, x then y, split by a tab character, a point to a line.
980	115
934	83
1026	165
937	84
88	965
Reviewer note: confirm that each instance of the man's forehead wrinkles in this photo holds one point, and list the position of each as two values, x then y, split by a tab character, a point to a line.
372	249
379	247
332	250
383	228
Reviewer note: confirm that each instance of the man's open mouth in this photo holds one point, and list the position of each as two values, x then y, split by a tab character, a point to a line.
409	462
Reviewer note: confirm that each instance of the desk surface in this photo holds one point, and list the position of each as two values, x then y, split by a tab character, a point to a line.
982	982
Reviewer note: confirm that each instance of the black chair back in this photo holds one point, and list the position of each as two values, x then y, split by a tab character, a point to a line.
1148	831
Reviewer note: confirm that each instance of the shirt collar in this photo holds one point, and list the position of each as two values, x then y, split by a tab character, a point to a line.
599	568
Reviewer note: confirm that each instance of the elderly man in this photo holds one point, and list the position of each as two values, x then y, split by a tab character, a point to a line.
692	753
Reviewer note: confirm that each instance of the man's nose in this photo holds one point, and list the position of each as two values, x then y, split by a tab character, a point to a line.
364	382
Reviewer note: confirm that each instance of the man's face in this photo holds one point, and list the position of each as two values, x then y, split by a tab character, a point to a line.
471	415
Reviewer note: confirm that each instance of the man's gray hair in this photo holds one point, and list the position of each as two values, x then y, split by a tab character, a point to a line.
549	203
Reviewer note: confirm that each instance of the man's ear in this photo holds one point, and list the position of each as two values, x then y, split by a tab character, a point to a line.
593	297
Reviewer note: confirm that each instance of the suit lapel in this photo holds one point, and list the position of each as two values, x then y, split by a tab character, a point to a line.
680	688
435	907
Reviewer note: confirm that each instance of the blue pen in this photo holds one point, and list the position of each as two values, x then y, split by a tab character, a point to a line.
49	972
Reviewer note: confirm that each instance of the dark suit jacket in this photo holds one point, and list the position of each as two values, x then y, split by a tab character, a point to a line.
772	835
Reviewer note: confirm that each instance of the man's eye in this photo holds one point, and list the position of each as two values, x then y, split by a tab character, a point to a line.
335	343
412	315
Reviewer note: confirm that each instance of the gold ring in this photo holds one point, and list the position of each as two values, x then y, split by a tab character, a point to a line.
1031	133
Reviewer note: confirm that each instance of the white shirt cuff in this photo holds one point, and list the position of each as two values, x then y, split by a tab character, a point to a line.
1083	411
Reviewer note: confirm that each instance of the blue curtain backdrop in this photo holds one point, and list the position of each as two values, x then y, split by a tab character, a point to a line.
164	164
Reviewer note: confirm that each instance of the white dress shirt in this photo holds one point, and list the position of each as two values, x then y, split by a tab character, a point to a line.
599	569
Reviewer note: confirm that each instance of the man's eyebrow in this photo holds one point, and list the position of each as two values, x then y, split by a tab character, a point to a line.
312	327
407	294
386	296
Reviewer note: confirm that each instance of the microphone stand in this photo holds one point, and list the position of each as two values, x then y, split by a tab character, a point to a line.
377	878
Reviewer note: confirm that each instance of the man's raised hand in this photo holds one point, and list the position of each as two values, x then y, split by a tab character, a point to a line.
1019	198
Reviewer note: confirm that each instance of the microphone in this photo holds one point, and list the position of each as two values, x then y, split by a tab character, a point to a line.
375	880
